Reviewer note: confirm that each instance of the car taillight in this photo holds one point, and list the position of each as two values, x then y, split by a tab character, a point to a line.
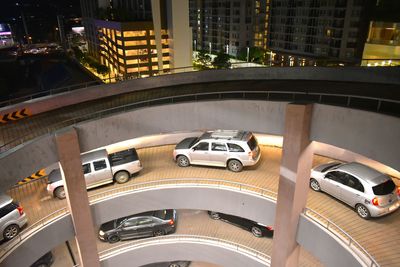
398	191
252	154
20	210
374	201
171	222
269	228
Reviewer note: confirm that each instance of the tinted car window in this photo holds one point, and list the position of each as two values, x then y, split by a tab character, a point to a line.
252	143
160	214
201	146
353	182
336	176
130	222
235	148
123	157
218	147
99	165
144	221
384	188
7	209
86	168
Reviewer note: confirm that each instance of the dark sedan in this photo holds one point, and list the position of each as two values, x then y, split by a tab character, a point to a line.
169	264
257	229
153	223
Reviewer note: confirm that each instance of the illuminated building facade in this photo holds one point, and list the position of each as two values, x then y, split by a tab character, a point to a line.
138	38
383	44
6	39
305	32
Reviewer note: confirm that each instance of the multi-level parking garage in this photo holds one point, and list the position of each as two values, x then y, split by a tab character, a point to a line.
158	112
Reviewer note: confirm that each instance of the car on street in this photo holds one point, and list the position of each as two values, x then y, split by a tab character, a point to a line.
257	229
99	168
221	148
370	192
12	218
147	224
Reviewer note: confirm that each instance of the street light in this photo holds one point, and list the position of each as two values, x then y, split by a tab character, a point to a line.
195	45
227	49
210	46
248	52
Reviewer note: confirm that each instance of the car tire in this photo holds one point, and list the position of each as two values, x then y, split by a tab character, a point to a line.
113	239
11	231
214	215
59	192
315	185
158	232
183	161
256	231
42	265
235	165
363	211
174	265
121	177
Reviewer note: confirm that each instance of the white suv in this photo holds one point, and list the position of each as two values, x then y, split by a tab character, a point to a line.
222	148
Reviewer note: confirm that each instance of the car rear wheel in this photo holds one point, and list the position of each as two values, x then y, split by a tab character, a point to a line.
121	177
11	231
183	161
214	215
158	232
174	265
235	165
363	212
256	231
113	239
315	185
60	192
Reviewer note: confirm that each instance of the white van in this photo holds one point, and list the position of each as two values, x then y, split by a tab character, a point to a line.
100	168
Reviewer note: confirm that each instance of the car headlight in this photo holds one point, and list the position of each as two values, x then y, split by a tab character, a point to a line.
101	233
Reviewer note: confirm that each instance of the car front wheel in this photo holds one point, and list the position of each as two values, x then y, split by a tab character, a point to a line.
235	165
121	177
256	231
315	185
113	239
183	161
11	231
60	192
363	212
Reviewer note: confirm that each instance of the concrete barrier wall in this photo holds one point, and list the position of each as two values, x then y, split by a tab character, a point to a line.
380	75
374	136
324	246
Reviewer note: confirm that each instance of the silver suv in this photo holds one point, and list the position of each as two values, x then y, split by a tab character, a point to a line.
370	192
12	218
221	148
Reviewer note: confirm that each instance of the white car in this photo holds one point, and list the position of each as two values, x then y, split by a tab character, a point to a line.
370	192
221	148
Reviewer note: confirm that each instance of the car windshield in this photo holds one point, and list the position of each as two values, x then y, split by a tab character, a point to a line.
194	142
384	188
252	143
330	167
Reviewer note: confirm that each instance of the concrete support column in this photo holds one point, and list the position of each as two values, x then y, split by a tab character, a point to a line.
156	13
77	198
293	184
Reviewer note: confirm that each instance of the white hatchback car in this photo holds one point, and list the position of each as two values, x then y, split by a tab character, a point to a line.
221	148
370	192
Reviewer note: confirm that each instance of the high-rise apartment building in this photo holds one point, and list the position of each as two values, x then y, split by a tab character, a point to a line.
138	37
301	32
222	25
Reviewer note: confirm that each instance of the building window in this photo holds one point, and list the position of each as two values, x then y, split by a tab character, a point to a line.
134	33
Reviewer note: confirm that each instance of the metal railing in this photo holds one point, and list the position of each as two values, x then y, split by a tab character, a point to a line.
344	237
119	78
127	246
184	182
380	105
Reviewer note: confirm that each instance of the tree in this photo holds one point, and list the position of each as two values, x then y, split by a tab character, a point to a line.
256	54
203	59
221	61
